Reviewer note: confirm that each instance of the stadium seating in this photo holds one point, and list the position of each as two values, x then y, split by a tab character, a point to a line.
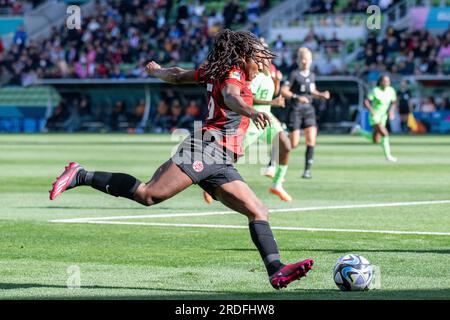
25	109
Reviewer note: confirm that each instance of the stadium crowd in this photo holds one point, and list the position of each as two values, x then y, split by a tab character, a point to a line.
120	37
16	7
405	53
352	6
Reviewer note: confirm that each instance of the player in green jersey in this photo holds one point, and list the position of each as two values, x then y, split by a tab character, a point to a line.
264	89
380	102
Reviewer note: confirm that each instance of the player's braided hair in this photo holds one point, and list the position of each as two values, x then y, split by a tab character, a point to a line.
231	49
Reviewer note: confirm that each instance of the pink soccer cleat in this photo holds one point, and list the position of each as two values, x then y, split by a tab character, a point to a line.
66	180
290	272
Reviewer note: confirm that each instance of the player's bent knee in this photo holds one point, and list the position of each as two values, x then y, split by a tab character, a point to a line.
259	212
152	197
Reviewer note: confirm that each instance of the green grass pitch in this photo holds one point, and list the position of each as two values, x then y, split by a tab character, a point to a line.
144	261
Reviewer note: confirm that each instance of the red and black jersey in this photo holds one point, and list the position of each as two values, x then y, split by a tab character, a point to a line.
229	126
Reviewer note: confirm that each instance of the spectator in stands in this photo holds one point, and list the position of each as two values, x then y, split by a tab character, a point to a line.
444	51
192	113
428	105
334	43
279	44
253	10
316	6
373	73
117	73
445	105
328	67
176	111
193	110
162	121
60	117
85	110
136	118
119	117
20	36
311	41
255	29
404	105
230	11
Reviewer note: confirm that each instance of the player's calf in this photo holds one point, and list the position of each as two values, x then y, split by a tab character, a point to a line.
115	184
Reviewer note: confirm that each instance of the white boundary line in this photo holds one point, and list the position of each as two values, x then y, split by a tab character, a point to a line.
107	220
224	226
285	210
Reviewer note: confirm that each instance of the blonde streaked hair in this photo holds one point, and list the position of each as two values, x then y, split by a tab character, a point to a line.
302	51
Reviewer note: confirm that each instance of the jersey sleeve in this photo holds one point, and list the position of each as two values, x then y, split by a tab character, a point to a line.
199	75
236	77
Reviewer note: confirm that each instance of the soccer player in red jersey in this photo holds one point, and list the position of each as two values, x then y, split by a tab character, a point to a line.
206	157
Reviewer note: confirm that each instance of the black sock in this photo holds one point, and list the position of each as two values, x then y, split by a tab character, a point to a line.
309	155
116	184
262	237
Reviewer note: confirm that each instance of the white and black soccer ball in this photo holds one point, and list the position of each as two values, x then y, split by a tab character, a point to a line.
353	272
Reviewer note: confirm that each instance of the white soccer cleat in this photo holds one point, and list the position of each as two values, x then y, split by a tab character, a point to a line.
279	191
269	172
391	159
356	129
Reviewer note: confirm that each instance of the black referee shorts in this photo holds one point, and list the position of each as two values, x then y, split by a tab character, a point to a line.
301	117
208	164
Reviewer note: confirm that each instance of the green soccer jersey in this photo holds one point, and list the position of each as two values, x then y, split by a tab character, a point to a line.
263	88
381	99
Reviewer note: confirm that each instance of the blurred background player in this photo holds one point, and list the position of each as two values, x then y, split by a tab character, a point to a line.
264	88
380	102
301	114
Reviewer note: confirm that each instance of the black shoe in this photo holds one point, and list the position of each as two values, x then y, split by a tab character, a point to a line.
307	174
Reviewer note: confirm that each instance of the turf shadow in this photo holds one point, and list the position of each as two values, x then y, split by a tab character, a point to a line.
15	286
439	251
287	294
92	208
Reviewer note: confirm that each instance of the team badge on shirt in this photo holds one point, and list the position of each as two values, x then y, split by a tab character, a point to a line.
235	75
197	166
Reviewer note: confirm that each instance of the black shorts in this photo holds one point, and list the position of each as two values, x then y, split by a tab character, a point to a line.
208	164
301	117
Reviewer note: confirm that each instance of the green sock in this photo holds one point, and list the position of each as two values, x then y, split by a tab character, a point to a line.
279	174
366	134
386	146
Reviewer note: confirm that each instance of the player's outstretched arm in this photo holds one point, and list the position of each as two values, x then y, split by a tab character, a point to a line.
175	75
322	95
232	98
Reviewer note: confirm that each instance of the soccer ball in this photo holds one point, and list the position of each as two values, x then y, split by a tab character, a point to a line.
353	272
